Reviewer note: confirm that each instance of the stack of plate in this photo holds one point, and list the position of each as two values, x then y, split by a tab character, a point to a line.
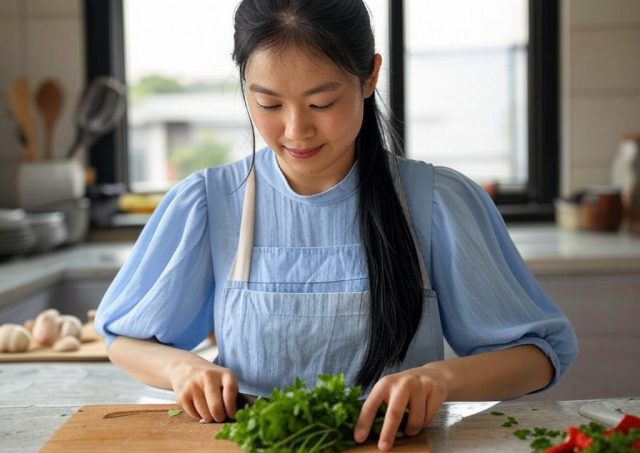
49	230
16	236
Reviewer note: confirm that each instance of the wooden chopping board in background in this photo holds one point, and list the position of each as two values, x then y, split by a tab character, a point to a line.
148	427
93	349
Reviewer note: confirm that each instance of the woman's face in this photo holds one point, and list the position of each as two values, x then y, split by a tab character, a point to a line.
309	111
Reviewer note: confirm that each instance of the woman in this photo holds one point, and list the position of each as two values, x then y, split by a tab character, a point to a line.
323	253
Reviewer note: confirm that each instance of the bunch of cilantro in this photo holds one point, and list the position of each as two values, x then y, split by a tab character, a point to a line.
299	419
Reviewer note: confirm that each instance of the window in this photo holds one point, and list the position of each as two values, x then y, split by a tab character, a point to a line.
185	109
466	94
473	86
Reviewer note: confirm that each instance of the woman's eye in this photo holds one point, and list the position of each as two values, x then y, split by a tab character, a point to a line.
268	107
322	107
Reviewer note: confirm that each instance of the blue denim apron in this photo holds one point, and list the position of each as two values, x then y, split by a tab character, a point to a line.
269	338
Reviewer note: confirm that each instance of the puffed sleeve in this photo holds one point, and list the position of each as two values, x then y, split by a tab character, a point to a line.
165	288
488	298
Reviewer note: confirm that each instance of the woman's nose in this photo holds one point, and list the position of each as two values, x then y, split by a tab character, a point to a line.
298	126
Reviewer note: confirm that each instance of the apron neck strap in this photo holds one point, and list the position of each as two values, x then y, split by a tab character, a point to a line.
241	265
242	261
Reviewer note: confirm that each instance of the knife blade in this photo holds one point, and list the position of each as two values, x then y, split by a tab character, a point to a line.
246	399
601	413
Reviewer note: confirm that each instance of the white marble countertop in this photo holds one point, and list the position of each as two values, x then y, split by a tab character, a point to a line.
546	249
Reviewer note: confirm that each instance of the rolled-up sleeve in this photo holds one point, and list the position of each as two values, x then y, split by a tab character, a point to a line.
165	289
488	298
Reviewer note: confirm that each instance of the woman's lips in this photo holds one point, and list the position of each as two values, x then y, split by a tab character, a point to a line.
305	153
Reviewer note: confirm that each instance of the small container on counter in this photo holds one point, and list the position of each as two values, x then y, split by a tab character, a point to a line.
625	175
596	208
601	209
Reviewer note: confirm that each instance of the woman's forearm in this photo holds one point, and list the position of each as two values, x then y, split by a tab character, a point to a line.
496	375
148	361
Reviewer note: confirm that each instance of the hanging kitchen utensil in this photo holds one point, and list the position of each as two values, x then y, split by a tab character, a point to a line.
19	100
100	109
49	98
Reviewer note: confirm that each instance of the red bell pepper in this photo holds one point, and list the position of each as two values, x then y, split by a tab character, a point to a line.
577	440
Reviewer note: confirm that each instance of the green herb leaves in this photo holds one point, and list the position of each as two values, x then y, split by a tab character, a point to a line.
174	412
510	422
298	419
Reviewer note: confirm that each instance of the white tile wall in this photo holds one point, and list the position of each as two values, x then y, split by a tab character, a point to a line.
600	86
11	57
9	9
604	12
597	124
55	48
53	8
605	60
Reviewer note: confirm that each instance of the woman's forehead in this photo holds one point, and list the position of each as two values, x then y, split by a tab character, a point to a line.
292	64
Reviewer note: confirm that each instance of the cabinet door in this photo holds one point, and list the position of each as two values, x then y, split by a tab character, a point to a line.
605	312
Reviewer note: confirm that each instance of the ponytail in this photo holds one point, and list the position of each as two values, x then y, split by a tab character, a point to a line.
395	281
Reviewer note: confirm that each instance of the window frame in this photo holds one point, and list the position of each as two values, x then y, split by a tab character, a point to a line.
104	34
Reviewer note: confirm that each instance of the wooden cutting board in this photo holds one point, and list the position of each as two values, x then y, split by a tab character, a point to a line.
148	427
93	349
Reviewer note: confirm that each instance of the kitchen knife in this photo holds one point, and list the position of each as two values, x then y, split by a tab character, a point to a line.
602	414
245	399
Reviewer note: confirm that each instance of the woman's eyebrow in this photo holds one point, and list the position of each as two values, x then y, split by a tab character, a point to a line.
323	88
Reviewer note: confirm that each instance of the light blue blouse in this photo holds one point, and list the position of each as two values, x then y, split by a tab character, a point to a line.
176	272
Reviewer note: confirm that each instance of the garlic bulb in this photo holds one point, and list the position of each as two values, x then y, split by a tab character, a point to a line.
28	324
45	328
69	326
14	338
67	344
91	316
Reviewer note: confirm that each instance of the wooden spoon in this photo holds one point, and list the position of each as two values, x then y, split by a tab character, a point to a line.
49	99
19	100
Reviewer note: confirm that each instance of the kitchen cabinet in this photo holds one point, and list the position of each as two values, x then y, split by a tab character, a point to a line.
605	312
69	297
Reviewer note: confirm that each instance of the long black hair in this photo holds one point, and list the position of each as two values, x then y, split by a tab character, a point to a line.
341	30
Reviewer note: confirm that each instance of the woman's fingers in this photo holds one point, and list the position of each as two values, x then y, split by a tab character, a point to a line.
208	393
213	394
417	418
412	393
200	403
367	415
187	405
396	408
229	393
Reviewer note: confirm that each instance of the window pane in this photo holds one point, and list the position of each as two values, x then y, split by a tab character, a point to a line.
185	105
467	86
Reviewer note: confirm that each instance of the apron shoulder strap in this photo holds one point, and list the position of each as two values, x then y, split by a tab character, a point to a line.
241	265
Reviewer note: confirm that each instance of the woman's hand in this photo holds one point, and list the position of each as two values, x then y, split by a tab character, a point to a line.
204	390
419	391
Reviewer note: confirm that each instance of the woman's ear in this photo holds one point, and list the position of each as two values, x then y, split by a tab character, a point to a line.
372	81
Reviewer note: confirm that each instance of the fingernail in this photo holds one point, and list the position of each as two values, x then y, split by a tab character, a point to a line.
360	435
384	445
203	421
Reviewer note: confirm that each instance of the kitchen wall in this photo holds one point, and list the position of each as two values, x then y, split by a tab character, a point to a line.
600	86
600	75
39	39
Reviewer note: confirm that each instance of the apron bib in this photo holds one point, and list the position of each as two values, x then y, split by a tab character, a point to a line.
268	338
